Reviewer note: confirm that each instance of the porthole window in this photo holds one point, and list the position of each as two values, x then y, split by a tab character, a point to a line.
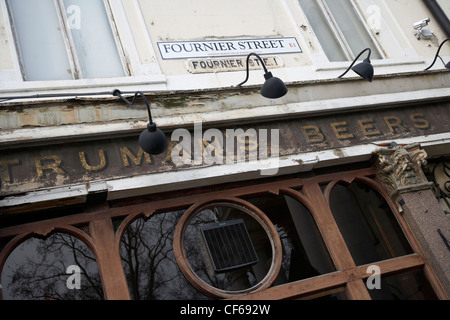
241	238
59	267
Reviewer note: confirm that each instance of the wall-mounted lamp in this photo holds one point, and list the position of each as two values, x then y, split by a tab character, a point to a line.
363	69
152	140
447	65
273	88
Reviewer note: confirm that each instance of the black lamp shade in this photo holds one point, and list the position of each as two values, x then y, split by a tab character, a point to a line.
365	70
152	140
273	88
447	65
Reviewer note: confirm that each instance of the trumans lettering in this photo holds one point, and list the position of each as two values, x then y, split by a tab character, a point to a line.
5	167
89	167
40	166
137	160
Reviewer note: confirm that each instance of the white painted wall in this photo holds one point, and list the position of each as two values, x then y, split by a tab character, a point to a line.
141	24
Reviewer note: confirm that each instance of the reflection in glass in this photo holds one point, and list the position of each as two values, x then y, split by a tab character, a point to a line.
40	39
367	224
241	278
146	249
304	252
93	39
37	270
323	30
405	286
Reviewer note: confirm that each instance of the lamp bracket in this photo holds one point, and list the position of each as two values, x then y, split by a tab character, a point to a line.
118	93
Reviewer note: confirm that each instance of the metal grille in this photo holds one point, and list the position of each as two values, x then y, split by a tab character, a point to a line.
229	245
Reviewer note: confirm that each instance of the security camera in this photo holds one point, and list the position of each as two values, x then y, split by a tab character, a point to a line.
421	24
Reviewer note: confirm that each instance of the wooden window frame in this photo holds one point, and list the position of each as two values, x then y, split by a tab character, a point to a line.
104	240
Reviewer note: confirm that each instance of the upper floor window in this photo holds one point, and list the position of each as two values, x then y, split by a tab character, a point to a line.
340	29
65	39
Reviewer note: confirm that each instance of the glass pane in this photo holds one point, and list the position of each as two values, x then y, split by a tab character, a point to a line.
60	267
367	224
321	27
234	280
38	31
352	27
304	252
94	42
405	286
146	249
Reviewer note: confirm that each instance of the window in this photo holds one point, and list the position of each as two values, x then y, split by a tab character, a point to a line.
59	267
315	238
339	28
65	39
149	263
367	224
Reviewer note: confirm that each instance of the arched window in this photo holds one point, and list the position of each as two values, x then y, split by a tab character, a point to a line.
148	260
367	223
57	267
372	234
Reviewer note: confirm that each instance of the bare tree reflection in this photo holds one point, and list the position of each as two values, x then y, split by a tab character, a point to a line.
36	270
149	263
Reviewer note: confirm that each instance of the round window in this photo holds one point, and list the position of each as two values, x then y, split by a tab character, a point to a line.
226	249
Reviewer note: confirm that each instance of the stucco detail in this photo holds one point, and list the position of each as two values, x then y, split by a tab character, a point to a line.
400	168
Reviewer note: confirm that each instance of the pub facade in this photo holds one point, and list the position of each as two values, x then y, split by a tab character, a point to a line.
336	188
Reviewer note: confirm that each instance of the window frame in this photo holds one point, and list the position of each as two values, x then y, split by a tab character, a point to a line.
392	43
337	32
69	44
312	192
145	75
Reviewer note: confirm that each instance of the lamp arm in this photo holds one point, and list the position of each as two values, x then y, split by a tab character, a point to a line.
117	93
248	71
356	59
437	55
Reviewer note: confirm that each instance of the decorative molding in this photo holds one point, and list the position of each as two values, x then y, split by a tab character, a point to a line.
400	168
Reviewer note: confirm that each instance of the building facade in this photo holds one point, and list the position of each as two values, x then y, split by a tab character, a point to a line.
338	189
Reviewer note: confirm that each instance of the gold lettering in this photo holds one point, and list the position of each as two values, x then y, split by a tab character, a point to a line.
394	122
127	154
40	167
100	166
419	121
178	150
172	144
340	131
368	127
312	134
4	165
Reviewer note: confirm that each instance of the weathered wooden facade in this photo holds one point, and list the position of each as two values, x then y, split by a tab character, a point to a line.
342	184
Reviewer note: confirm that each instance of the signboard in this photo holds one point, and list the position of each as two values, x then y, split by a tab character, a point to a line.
32	168
220	48
232	64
